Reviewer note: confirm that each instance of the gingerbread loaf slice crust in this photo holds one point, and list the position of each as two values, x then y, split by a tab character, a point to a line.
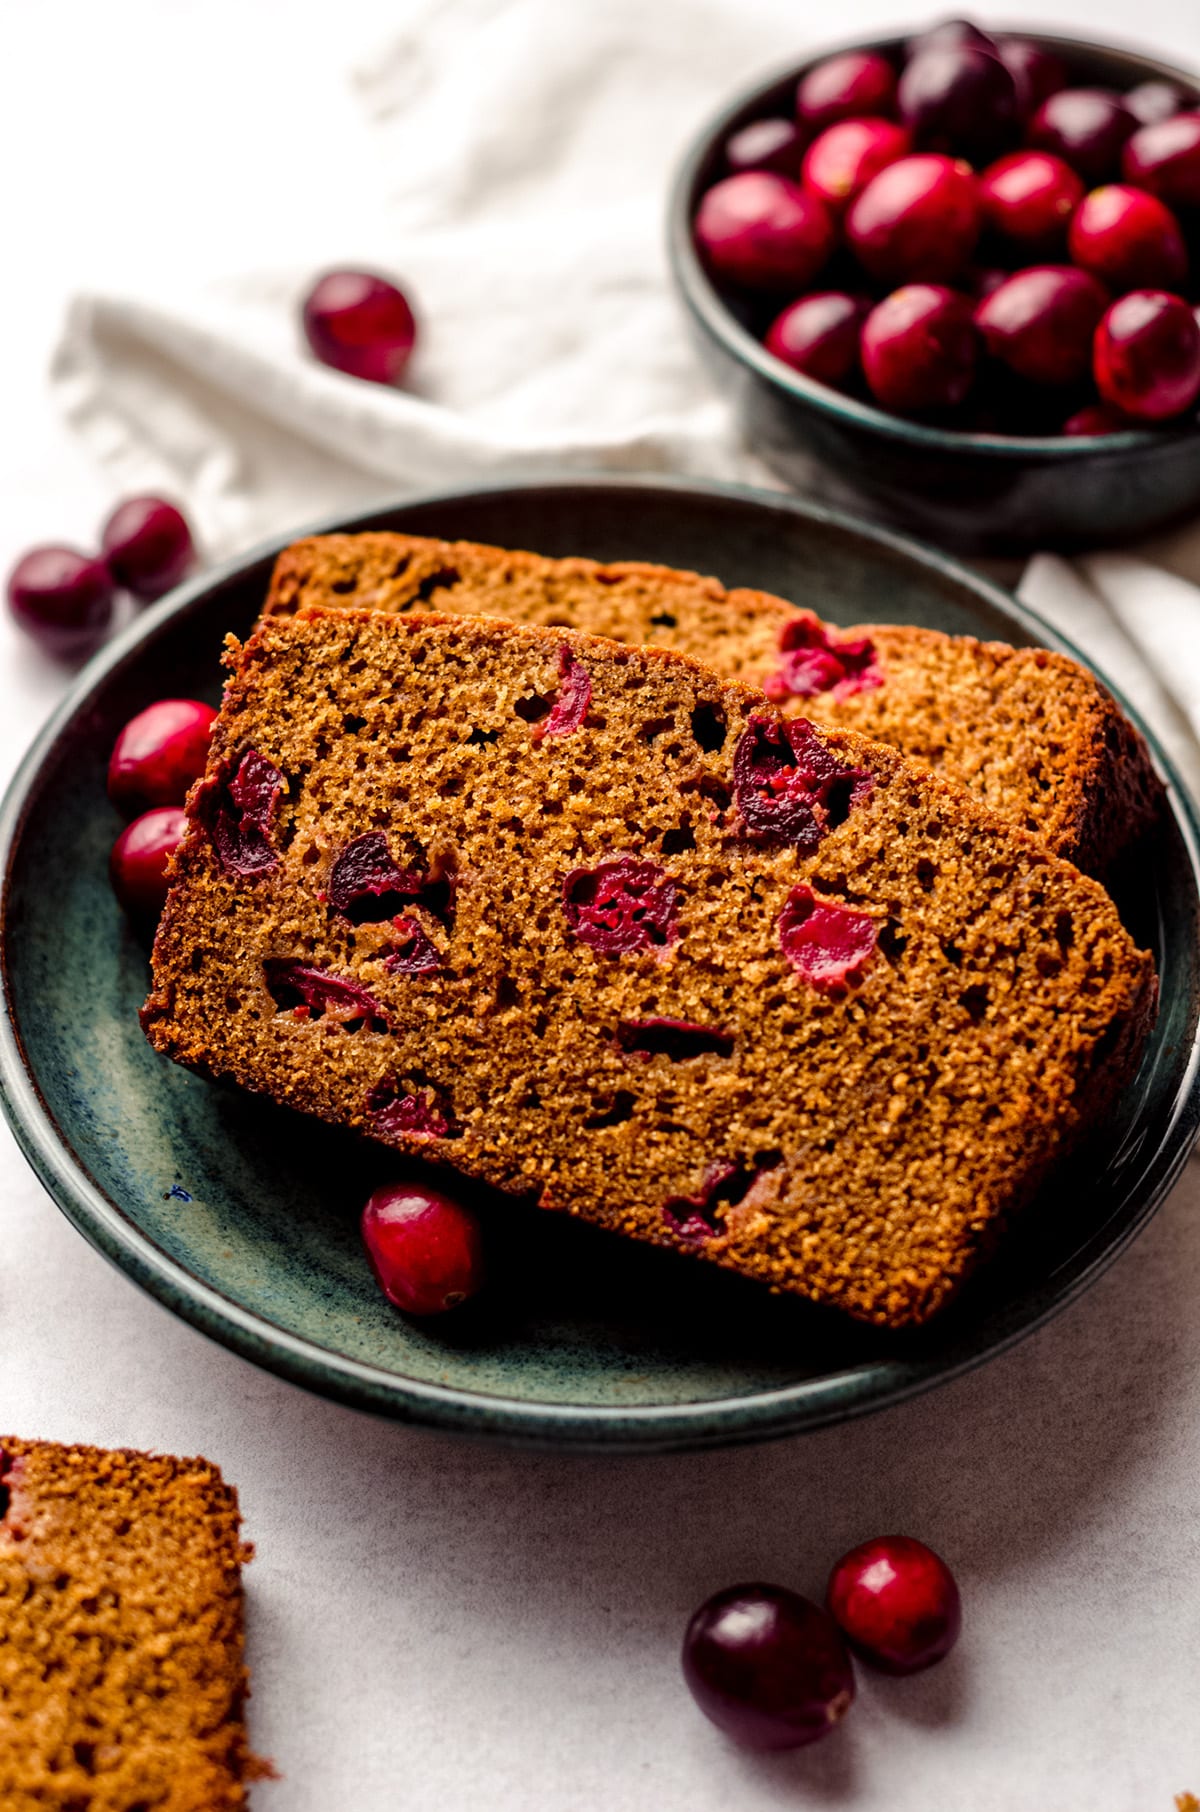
122	1681
593	926
1030	732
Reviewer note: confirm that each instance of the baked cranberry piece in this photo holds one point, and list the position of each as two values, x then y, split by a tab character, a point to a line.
818	335
815	661
426	1249
621	906
574	697
768	1667
920	349
1150	102
240	809
1037	72
148	546
896	1602
397	1114
416	954
62	599
159	753
790	786
1128	239
854	84
725	1185
1086	127
137	867
841	162
917	221
678	1039
366	885
1146	356
1095	418
960	98
1164	158
311	992
827	944
773	144
361	324
1029	197
763	232
1040	323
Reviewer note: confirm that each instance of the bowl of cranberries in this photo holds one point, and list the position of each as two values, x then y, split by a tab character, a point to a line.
961	272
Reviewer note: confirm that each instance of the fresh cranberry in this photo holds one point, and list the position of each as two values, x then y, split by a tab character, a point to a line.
948	31
1095	418
426	1249
789	785
1086	127
1029	197
763	232
1165	159
841	162
1040	323
621	906
849	86
897	1604
826	943
159	753
62	599
1128	239
959	98
1150	102
360	324
920	349
774	144
148	546
137	867
818	335
768	1667
917	221
1037	72
1147	355
239	807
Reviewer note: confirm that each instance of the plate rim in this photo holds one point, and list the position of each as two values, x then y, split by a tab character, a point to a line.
708	1422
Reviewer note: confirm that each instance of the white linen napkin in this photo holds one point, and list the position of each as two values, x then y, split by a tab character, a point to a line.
525	148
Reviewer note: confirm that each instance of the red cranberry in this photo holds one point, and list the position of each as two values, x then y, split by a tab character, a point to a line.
897	1603
818	335
775	145
148	546
1040	323
62	599
763	232
1029	196
1128	239
767	1667
1086	127
960	98
425	1249
1165	159
917	221
1147	355
948	31
360	324
919	349
844	87
1037	72
137	867
841	162
159	753
1095	418
1150	102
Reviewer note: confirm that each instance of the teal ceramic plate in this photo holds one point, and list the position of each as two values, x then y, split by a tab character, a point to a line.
243	1218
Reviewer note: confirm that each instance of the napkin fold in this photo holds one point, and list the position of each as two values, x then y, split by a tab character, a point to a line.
523	150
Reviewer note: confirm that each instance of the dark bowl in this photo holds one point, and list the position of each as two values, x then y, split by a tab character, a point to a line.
244	1218
983	493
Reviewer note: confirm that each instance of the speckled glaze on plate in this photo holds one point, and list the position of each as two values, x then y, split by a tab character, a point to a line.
243	1218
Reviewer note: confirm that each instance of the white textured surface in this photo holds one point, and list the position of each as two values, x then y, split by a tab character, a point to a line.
435	1625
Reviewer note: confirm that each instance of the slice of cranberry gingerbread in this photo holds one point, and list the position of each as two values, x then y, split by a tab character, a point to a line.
592	925
1031	733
